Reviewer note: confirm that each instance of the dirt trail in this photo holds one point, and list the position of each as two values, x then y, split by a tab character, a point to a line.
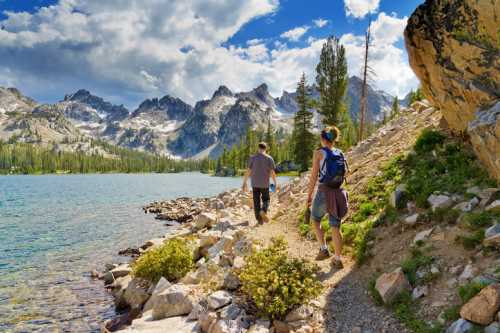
347	305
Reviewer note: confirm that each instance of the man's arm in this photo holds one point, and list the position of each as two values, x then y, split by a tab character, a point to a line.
313	178
245	179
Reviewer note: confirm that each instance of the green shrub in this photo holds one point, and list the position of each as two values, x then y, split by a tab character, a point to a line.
452	313
479	220
412	264
374	292
469	290
444	215
405	310
275	283
171	260
428	140
471	241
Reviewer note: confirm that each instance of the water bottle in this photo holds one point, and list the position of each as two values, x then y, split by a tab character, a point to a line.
272	187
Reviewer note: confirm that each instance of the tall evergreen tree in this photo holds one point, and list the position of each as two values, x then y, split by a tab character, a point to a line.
270	139
395	107
303	138
331	79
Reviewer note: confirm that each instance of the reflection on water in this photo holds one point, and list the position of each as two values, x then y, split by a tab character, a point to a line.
55	229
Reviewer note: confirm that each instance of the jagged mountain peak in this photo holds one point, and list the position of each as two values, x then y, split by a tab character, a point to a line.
108	110
222	91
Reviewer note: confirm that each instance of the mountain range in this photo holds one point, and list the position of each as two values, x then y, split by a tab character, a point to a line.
164	125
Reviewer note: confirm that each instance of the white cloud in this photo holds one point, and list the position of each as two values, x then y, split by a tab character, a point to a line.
360	8
129	51
320	23
295	33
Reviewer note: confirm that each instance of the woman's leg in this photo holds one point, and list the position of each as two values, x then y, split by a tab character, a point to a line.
320	233
337	242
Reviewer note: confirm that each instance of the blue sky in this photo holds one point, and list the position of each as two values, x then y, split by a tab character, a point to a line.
129	50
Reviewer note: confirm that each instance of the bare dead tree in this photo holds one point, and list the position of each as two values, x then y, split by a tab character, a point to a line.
364	87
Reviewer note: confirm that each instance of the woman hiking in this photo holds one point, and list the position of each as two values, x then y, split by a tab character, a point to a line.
329	168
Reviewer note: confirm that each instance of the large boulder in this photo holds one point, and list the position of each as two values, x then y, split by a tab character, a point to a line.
219	299
460	326
492	235
136	293
160	287
483	307
389	285
177	300
147	324
453	50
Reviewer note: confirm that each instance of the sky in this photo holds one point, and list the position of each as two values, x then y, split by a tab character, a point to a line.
129	50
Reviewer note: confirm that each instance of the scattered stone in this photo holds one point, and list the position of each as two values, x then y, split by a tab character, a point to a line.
231	281
467	206
423	235
205	220
136	293
161	286
492	328
258	328
455	269
301	313
173	324
483	307
152	243
460	326
389	285
492	235
206	320
118	290
198	309
412	219
121	270
174	301
494	207
397	196
281	327
231	312
467	274
440	201
219	299
356	329
419	291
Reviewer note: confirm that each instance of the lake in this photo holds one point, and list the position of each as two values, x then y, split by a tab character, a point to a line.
54	229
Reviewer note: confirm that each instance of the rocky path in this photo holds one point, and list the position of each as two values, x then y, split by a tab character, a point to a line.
347	306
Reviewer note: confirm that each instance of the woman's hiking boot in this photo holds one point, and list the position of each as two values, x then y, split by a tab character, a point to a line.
323	254
337	264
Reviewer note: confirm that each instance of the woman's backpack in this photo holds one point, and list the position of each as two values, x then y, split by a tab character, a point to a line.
333	170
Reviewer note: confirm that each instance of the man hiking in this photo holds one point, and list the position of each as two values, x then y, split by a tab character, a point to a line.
260	168
329	167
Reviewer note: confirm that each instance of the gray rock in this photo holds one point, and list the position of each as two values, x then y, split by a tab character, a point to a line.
440	201
396	197
467	206
136	293
205	220
206	320
300	313
389	285
460	326
412	219
423	235
231	312
494	327
231	281
161	286
467	273
492	235
219	299
147	324
494	206
174	301
419	291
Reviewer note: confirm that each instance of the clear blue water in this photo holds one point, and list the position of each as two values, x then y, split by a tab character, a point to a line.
54	229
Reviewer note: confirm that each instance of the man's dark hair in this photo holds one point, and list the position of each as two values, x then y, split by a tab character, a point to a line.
262	145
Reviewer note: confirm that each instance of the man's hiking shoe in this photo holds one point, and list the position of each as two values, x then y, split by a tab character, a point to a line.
263	216
337	264
323	254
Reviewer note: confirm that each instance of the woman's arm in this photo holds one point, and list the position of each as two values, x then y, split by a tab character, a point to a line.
313	178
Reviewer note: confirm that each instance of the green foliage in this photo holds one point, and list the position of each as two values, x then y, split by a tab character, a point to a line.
453	313
172	260
480	220
413	263
331	79
275	283
441	215
428	140
25	158
405	310
416	95
303	138
469	290
471	241
440	165
374	292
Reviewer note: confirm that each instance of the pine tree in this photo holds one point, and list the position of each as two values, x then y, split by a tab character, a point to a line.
331	79
395	107
270	139
303	138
